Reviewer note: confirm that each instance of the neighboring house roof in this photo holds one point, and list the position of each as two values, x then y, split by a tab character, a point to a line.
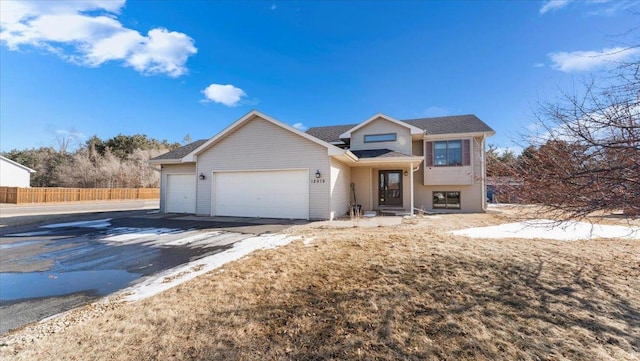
455	124
378	153
179	153
17	164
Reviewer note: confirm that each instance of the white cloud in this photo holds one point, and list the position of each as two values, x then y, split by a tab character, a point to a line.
228	94
273	7
589	60
301	127
614	8
67	30
553	5
599	7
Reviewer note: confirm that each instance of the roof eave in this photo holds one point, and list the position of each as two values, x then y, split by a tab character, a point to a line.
165	161
450	135
392	160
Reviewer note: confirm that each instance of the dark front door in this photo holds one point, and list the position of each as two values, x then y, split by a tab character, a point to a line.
390	187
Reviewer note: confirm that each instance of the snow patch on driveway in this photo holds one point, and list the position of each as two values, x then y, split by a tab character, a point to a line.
170	278
127	234
98	223
549	229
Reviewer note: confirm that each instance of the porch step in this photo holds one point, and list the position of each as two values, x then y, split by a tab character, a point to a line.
393	211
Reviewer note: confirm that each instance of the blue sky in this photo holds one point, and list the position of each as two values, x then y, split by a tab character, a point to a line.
171	68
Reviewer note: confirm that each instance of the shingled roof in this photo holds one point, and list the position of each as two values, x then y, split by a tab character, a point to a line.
330	133
468	123
179	153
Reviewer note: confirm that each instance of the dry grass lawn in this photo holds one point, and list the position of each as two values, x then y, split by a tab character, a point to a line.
412	292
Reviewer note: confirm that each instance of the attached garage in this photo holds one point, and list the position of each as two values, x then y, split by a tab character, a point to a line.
180	193
265	194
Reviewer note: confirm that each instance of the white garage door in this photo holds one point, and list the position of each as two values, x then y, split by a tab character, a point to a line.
267	194
181	193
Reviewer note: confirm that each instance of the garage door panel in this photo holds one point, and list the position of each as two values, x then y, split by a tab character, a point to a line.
267	194
181	193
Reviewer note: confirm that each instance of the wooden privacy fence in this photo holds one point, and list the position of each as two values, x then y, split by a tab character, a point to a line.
17	195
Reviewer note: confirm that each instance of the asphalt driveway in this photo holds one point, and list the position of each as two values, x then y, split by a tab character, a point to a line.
51	267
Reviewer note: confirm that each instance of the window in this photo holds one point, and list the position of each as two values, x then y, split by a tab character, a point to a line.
450	200
373	138
448	153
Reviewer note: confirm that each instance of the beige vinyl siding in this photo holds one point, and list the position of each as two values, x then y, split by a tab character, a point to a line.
361	177
477	159
382	126
262	145
472	199
340	188
418	147
186	168
457	175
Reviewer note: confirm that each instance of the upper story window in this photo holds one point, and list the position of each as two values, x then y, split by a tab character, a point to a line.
448	153
374	138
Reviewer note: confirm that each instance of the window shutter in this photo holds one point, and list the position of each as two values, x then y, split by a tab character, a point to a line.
428	154
466	152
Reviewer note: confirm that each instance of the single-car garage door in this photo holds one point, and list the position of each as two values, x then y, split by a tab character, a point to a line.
267	194
181	193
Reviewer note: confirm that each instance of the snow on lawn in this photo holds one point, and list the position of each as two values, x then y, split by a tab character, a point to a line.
175	276
548	229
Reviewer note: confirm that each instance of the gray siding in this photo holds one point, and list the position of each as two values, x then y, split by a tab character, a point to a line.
340	188
187	168
262	145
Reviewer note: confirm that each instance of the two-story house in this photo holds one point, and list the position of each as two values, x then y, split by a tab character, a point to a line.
260	167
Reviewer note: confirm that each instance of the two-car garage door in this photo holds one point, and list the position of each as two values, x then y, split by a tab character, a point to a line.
267	194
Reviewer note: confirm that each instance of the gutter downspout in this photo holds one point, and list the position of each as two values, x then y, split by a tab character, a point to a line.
411	182
483	164
411	186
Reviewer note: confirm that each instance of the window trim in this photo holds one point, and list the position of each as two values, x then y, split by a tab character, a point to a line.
465	152
446	204
394	135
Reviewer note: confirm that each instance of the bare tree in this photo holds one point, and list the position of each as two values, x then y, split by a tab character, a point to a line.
585	156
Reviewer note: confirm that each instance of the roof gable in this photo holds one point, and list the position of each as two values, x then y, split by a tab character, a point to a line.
252	115
414	130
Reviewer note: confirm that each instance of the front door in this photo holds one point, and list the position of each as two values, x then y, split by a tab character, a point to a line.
390	188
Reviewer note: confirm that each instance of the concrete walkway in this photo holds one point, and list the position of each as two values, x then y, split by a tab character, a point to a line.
364	222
